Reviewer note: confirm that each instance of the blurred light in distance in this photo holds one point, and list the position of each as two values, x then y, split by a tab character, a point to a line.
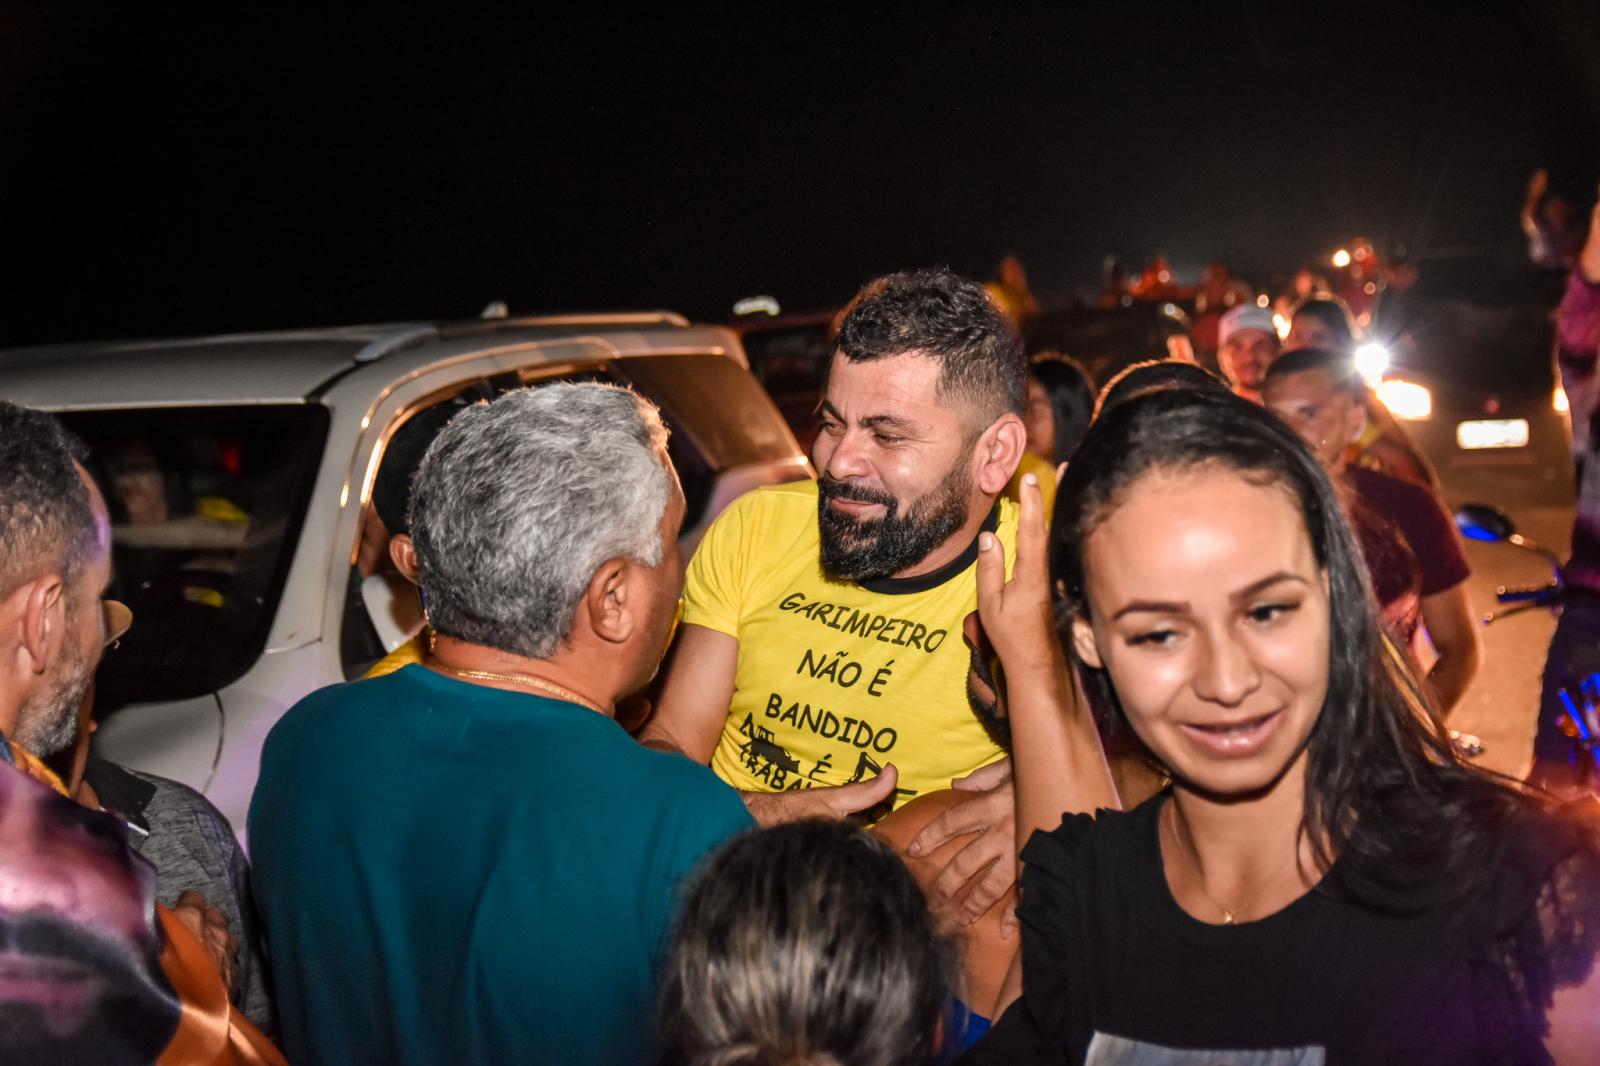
1372	359
1280	324
1558	400
1406	400
756	305
1492	433
1341	258
1262	301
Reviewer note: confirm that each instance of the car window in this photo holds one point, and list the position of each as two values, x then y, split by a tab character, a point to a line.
206	506
717	416
715	403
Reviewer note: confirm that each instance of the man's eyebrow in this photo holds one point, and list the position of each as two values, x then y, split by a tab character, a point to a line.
827	410
887	422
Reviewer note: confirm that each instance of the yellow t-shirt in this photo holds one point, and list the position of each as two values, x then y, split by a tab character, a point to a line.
1041	469
835	679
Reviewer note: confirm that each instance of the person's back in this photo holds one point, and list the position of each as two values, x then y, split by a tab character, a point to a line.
469	861
452	873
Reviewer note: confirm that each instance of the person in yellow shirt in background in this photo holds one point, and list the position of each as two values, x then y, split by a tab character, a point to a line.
387	535
821	667
1056	416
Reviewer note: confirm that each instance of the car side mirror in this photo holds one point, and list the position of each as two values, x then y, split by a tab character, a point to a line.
1479	521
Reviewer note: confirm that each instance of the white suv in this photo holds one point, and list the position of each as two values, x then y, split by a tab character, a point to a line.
239	471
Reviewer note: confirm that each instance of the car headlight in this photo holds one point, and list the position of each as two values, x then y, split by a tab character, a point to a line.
1406	400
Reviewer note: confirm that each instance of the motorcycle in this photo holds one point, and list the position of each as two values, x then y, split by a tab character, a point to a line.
1579	718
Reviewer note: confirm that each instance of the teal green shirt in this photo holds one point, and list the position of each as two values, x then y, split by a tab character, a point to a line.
451	873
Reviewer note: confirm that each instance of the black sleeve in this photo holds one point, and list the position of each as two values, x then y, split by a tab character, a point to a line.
1034	1029
1544	907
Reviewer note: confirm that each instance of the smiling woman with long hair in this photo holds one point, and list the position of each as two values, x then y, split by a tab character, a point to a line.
1323	881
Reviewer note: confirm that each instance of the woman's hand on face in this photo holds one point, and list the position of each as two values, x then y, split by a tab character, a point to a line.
1017	615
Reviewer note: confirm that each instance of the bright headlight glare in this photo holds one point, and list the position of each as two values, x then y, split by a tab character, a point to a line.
1372	359
1558	401
1406	400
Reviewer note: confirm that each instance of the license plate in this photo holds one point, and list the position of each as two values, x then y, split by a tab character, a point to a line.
1493	433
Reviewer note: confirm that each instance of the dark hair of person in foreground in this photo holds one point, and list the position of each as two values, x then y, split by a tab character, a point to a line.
1136	379
806	944
1385	791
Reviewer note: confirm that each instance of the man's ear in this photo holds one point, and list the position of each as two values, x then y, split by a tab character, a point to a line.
1083	643
42	608
998	453
609	603
404	555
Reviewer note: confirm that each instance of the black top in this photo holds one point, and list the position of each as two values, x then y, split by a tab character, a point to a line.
1112	964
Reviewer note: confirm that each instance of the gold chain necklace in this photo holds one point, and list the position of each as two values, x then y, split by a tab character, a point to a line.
1228	914
527	680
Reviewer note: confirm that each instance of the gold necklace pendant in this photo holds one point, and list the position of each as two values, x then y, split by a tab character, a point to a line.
1229	916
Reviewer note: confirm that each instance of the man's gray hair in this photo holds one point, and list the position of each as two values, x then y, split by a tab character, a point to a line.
518	502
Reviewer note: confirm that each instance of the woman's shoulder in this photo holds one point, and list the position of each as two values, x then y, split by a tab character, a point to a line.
1531	920
1543	892
1106	837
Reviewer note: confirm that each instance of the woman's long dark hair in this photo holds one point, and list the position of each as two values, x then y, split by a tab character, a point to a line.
1385	793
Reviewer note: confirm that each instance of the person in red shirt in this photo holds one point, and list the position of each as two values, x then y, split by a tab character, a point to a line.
1414	555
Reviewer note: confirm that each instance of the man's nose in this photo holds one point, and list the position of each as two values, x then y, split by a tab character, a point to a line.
849	457
1227	673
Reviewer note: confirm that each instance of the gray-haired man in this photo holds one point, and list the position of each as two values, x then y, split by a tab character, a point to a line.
468	860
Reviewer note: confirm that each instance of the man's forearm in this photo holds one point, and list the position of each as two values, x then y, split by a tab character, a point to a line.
1452	673
661	742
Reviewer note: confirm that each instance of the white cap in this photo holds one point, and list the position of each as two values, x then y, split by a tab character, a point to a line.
1242	317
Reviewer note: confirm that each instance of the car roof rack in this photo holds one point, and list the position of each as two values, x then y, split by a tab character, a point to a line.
390	343
611	318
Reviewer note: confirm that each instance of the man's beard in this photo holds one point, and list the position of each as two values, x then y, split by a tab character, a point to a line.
856	550
48	723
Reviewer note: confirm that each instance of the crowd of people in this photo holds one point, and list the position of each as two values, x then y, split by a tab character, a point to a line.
945	760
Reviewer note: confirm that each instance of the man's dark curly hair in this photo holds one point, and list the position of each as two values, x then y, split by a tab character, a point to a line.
946	317
46	522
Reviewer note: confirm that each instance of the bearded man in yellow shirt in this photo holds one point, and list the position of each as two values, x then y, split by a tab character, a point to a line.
821	667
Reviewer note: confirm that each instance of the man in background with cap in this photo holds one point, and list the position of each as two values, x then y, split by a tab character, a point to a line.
1247	343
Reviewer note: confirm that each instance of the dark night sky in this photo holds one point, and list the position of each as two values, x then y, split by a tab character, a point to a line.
199	175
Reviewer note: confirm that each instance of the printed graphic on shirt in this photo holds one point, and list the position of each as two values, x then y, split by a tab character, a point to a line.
1107	1050
834	681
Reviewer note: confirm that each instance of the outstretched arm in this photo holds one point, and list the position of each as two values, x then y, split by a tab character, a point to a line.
1059	766
695	695
693	709
1453	630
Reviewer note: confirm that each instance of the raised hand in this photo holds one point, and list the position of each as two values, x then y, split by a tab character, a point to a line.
1017	614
